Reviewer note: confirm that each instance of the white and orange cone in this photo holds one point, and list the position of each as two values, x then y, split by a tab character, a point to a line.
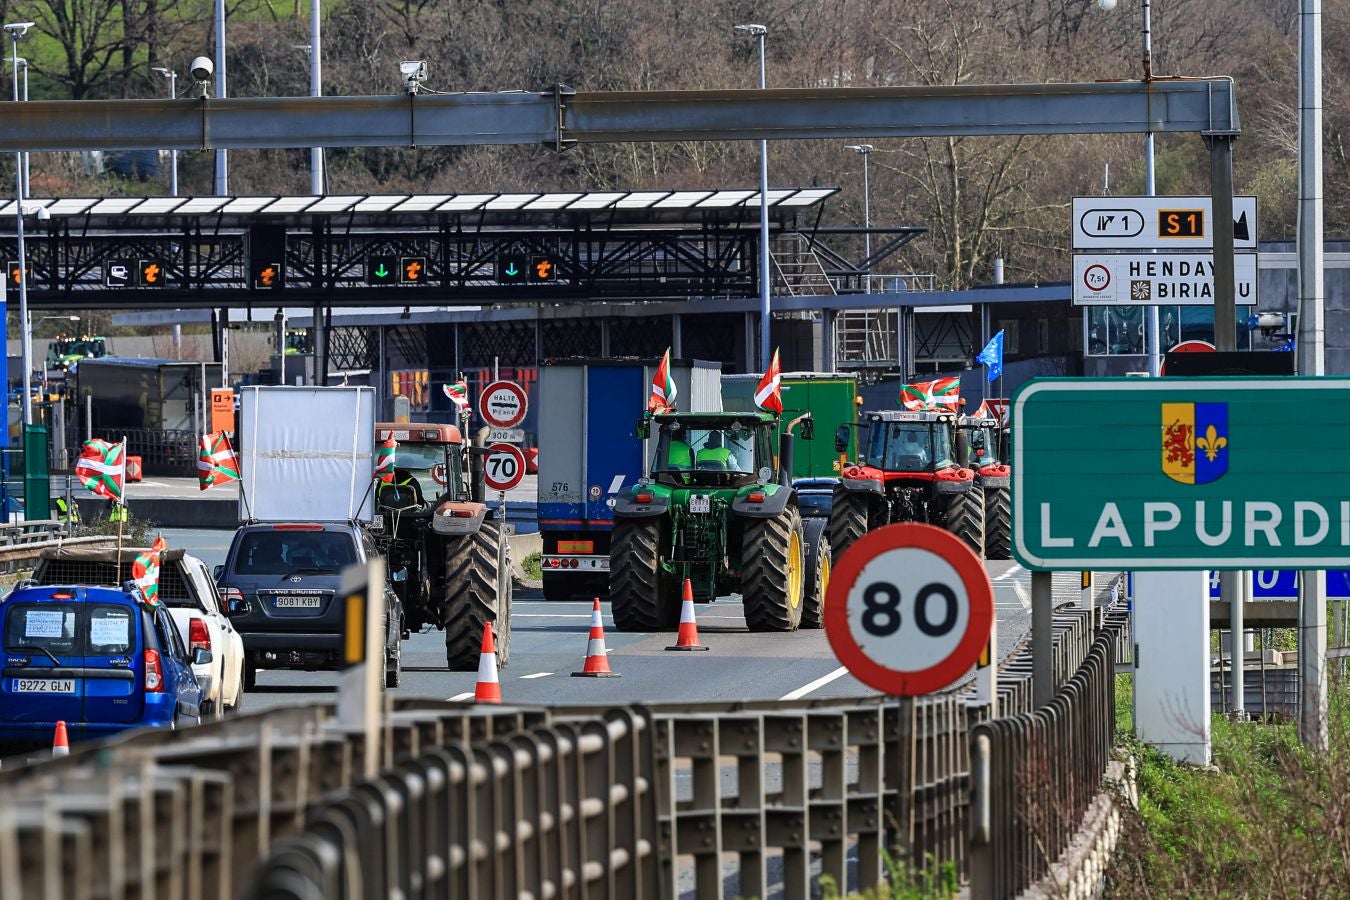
688	636
597	657
61	743
488	689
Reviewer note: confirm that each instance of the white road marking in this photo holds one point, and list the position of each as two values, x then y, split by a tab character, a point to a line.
819	682
536	675
467	695
1011	573
1022	596
521	615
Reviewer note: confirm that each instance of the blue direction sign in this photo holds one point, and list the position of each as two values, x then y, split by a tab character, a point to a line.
1282	584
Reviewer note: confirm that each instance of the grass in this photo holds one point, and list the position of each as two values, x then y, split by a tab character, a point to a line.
1268	819
930	883
530	565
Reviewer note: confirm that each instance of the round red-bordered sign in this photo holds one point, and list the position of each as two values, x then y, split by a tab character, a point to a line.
1193	346
503	404
503	467
909	609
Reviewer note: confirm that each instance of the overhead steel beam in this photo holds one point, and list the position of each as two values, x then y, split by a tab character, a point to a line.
563	117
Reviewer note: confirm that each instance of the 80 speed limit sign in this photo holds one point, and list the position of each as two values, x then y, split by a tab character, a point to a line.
909	608
503	467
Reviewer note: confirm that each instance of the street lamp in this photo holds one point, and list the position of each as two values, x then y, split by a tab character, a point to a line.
315	90
863	150
1150	188
765	314
21	63
17	30
173	94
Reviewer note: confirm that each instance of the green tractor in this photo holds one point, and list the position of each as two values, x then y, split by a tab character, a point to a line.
718	509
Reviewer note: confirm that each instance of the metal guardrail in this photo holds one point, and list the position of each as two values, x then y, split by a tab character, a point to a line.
630	802
22	542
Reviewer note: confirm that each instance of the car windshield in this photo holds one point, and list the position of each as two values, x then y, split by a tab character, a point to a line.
910	446
684	447
284	552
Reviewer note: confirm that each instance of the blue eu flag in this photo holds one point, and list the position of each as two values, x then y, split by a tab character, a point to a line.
992	356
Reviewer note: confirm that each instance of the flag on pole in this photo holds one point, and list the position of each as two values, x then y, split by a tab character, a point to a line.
458	392
216	461
992	356
769	395
940	393
384	460
145	571
664	392
102	468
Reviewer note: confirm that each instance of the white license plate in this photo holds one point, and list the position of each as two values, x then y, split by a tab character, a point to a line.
298	602
700	503
44	685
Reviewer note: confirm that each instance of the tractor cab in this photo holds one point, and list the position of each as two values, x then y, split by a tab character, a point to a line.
982	443
713	450
906	442
429	460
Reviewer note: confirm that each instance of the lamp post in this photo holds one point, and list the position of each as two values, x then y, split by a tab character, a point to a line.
863	150
315	90
222	157
1154	332
17	30
22	63
765	313
173	93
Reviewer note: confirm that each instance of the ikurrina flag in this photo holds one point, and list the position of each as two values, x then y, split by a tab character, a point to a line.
102	468
458	392
664	392
145	571
216	462
941	393
769	396
384	460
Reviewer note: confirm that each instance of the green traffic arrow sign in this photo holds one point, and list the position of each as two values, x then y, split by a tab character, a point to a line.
381	271
1181	473
512	271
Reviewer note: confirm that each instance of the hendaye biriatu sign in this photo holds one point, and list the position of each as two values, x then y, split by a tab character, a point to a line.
1182	473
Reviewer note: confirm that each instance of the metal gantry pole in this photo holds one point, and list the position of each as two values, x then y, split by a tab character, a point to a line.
315	90
173	154
222	159
765	281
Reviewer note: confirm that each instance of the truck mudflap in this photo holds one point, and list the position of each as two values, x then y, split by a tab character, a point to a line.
626	506
458	517
773	499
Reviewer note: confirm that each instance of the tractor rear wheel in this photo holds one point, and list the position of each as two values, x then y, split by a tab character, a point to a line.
817	572
997	524
639	593
965	518
773	572
848	520
471	575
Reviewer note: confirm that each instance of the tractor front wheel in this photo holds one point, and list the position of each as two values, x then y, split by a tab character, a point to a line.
773	572
471	576
965	518
848	520
997	524
817	573
638	590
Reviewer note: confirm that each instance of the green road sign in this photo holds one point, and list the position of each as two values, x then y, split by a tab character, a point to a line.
1181	473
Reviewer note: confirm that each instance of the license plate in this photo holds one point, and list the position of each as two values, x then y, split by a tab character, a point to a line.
700	503
298	602
44	685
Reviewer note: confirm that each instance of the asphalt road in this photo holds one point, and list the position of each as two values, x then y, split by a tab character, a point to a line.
548	643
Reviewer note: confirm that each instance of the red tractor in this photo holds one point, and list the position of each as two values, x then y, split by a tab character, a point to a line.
911	472
981	445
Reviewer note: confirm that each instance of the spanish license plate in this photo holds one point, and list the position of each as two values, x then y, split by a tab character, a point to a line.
44	685
700	503
298	602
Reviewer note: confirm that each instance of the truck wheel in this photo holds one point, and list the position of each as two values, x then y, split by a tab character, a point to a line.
817	572
773	572
997	524
848	521
965	518
639	591
471	599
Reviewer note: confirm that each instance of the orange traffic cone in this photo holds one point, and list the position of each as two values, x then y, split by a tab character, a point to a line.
688	637
488	689
61	743
597	657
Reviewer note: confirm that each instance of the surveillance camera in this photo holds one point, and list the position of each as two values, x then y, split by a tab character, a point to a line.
1106	5
202	68
19	29
44	214
1270	323
414	72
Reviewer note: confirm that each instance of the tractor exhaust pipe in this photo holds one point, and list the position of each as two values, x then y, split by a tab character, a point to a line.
962	446
785	459
477	492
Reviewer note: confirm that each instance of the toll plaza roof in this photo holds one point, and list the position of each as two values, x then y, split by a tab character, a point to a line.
520	208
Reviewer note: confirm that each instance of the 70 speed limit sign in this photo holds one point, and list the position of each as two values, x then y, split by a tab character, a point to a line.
503	467
909	608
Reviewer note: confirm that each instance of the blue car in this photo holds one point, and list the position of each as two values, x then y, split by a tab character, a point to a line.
94	657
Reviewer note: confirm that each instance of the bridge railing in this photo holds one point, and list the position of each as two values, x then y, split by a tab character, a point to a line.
634	801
